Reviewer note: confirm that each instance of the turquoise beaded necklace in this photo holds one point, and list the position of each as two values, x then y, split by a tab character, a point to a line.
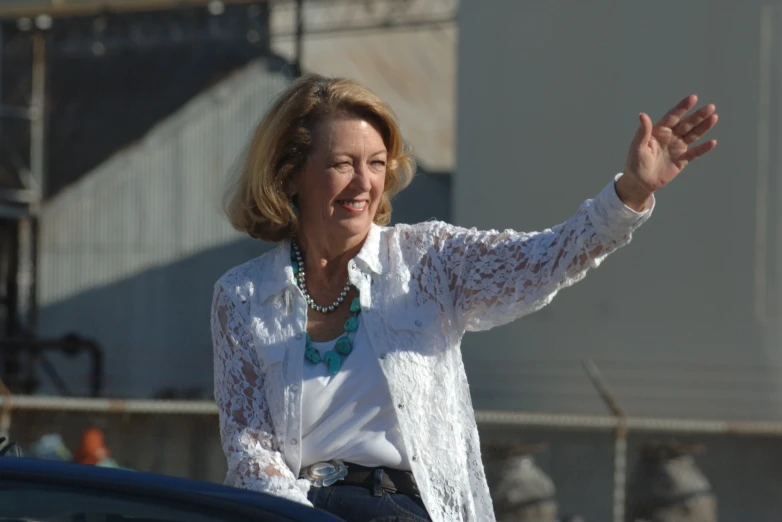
333	358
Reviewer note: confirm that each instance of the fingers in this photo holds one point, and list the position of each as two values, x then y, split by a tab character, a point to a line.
693	120
702	128
673	116
695	153
644	132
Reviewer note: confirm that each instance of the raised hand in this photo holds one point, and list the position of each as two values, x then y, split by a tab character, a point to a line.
660	152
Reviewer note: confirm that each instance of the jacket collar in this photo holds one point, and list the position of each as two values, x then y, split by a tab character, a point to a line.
369	254
278	273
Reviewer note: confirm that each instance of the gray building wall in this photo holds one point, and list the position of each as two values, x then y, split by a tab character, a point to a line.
684	321
130	253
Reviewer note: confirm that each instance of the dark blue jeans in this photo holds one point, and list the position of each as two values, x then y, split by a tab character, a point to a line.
358	504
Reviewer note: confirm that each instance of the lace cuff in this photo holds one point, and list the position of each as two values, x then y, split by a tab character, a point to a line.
612	219
277	485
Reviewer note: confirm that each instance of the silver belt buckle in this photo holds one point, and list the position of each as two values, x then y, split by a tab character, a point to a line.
324	474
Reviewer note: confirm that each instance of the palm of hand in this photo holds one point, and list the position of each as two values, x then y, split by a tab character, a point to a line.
660	152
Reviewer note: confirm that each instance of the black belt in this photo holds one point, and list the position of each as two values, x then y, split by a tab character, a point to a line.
380	479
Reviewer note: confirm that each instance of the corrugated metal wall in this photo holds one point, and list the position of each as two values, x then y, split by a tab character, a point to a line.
130	252
673	318
158	201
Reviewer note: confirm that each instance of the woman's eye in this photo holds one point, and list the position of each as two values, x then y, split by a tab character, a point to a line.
380	163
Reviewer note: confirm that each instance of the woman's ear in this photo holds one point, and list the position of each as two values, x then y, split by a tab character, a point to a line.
290	191
290	187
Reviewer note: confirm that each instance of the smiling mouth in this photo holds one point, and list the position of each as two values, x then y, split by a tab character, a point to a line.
352	205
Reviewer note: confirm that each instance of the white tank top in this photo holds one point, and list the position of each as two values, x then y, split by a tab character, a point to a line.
350	416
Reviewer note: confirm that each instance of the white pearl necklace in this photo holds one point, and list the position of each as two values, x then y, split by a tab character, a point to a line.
301	281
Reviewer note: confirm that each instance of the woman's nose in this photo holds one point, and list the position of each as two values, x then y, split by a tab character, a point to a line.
362	179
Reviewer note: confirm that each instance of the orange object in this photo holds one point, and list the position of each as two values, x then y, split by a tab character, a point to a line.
93	448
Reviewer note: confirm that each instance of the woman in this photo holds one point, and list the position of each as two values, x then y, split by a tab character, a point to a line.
338	373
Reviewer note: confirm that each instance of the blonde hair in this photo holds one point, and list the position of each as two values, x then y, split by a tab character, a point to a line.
257	201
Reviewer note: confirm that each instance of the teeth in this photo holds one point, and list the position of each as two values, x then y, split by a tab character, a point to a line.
354	204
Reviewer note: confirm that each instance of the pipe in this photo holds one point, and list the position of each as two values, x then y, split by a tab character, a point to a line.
21	9
641	424
70	345
484	417
299	38
43	403
766	65
5	412
620	470
620	438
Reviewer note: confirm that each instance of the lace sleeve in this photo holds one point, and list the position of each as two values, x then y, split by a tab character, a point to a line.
496	277
246	429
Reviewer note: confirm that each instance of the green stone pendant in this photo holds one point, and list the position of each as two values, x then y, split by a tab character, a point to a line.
312	354
333	361
344	346
351	325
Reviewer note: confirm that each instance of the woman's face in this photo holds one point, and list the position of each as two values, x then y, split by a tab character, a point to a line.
340	187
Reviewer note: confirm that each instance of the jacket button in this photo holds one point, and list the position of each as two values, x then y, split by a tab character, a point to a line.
400	405
295	387
418	323
383	355
294	442
415	458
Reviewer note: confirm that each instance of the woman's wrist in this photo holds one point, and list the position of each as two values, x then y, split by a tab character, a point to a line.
632	193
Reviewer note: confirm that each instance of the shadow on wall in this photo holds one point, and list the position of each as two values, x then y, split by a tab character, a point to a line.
154	327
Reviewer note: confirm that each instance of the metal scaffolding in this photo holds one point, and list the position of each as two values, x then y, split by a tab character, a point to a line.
41	31
20	204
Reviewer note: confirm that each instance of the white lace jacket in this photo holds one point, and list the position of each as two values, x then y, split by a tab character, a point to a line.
422	286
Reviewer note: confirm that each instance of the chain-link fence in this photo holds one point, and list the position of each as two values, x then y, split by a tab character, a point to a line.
738	463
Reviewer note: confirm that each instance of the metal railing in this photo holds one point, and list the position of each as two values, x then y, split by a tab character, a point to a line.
484	417
617	422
